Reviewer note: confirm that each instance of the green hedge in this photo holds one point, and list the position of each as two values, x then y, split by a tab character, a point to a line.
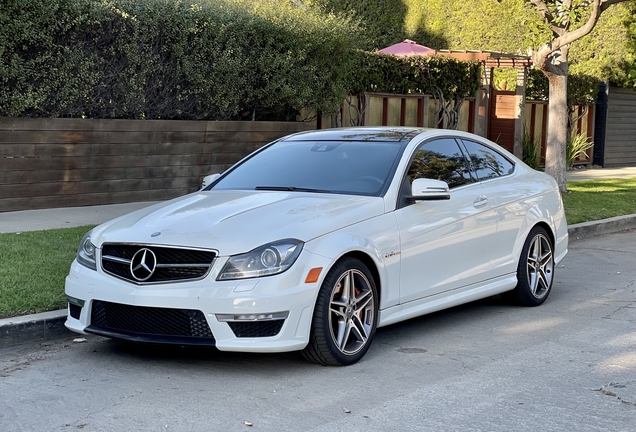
216	59
196	59
582	89
403	75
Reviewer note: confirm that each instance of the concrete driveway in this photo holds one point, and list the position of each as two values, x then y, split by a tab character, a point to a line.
569	365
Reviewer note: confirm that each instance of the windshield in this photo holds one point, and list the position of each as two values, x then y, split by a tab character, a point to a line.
344	167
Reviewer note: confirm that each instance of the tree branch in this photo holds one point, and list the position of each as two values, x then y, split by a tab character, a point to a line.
598	7
607	3
567	37
542	7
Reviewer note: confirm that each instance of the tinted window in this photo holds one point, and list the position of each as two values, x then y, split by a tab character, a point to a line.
487	163
350	167
440	160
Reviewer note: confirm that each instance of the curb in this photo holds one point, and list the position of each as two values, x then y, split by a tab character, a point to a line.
600	227
50	325
33	328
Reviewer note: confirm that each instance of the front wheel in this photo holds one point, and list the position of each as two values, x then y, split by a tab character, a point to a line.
535	272
345	316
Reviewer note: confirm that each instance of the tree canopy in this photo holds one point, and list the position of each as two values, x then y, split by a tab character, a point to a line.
609	52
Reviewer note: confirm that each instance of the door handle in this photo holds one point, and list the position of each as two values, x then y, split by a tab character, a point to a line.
480	201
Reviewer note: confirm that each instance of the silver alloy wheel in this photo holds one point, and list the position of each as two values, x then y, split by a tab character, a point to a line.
351	312
540	266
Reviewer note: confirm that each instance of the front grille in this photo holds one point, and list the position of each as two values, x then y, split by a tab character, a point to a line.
155	324
167	265
256	328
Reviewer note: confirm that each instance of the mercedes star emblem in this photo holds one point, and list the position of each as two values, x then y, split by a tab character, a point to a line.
143	264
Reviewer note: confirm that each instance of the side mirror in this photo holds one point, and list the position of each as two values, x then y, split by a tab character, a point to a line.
427	190
207	180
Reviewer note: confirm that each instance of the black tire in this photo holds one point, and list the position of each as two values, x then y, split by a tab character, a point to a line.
535	272
343	326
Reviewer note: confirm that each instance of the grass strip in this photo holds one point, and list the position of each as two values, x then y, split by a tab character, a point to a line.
33	266
589	200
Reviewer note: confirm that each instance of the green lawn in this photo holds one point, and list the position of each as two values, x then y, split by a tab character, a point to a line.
33	266
590	200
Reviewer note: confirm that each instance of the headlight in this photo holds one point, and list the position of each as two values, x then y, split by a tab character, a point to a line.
86	252
269	259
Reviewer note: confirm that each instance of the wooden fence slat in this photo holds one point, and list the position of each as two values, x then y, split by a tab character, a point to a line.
64	124
86	162
101	174
87	187
82	149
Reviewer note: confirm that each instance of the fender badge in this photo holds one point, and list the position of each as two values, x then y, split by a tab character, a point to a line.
155	234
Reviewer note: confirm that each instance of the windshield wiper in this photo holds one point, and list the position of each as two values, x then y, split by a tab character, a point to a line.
290	189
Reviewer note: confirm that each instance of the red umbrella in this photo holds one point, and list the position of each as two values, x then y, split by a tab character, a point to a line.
407	48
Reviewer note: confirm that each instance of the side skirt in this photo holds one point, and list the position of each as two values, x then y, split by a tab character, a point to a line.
446	300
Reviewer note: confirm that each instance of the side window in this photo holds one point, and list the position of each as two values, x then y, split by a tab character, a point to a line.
440	160
486	162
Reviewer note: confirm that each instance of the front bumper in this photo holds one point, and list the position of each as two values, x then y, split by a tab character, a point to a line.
264	299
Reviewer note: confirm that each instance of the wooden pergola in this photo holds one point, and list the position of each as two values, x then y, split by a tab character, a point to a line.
491	60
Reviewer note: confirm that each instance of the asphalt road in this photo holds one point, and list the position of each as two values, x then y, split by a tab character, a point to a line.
569	365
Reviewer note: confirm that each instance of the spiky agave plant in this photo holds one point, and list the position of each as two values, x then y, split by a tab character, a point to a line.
531	150
577	146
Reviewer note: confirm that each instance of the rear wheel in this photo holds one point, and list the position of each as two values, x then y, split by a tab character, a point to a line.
535	272
345	316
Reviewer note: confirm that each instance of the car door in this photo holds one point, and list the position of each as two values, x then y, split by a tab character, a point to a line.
446	244
496	172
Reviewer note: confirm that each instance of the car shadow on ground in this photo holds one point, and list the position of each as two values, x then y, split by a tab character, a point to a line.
396	335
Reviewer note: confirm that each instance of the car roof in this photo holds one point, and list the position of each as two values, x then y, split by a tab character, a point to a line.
391	134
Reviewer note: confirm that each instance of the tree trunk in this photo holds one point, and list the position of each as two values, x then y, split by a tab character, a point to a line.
557	128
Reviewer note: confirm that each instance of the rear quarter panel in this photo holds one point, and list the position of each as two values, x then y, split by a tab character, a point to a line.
523	200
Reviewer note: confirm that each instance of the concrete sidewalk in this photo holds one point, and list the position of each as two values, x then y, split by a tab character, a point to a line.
600	173
68	217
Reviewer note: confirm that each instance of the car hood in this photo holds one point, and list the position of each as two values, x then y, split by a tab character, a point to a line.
238	221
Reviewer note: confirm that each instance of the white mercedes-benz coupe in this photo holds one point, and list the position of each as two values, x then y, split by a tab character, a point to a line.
315	240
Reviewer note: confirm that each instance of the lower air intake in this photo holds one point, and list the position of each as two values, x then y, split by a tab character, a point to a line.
150	324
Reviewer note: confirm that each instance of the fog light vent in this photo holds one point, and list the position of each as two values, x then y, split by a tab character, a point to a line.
256	329
74	310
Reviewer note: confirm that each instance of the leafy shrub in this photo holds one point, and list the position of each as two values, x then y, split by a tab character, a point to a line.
418	74
168	59
504	79
384	22
582	89
201	59
577	146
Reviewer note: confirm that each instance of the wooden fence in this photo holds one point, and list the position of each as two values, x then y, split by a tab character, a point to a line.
380	109
620	134
46	163
536	123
